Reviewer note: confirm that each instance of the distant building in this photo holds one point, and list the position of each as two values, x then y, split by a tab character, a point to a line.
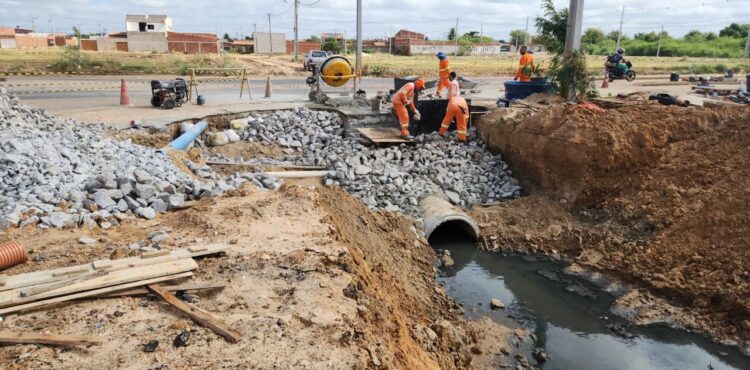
20	38
302	47
240	46
153	33
148	23
328	35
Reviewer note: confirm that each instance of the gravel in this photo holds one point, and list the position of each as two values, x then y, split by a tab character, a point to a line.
392	178
55	172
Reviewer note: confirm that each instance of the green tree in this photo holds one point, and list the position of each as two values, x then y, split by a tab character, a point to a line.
552	27
710	36
613	36
332	45
593	36
452	34
313	38
694	36
735	30
518	37
227	37
650	37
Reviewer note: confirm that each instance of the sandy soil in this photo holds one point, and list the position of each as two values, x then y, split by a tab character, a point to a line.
313	280
655	195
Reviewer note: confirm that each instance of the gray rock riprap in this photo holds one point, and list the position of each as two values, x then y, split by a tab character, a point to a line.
392	178
56	172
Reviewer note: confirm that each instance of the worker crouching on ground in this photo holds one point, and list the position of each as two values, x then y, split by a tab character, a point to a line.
525	65
454	89
458	109
404	97
444	71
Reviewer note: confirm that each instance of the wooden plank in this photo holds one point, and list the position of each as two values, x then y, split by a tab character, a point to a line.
49	339
79	270
46	276
100	264
383	135
152	254
91	293
38	289
13	297
202	317
169	288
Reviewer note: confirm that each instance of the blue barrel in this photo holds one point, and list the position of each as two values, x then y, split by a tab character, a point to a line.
520	90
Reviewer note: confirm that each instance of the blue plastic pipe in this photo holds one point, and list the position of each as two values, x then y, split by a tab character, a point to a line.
182	142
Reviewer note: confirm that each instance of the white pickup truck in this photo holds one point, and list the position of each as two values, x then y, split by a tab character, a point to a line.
314	58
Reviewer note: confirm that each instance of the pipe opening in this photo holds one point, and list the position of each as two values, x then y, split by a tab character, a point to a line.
452	231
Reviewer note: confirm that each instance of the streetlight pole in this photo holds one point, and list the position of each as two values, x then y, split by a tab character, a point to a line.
270	35
573	36
358	63
455	35
296	32
619	33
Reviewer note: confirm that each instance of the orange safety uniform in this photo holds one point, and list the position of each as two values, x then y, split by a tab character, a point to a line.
458	109
526	59
404	97
454	89
444	72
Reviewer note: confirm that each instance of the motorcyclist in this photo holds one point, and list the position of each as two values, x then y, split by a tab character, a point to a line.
617	62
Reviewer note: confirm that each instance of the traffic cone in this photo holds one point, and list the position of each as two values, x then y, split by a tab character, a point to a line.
124	98
268	88
605	83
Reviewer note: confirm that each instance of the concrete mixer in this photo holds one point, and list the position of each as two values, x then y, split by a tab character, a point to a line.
335	71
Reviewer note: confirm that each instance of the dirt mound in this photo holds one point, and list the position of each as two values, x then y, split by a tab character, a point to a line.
661	195
311	287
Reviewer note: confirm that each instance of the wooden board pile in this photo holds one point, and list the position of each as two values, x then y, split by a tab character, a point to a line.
108	278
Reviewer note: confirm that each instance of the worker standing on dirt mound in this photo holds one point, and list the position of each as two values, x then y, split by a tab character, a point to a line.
404	97
525	65
458	109
454	89
444	70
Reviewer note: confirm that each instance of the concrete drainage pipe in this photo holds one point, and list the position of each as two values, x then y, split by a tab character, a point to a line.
437	212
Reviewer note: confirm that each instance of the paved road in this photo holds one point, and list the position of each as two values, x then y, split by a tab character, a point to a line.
96	98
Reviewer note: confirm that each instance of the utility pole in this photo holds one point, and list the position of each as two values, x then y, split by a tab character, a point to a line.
343	36
52	24
270	35
296	32
526	33
358	63
747	43
573	35
619	33
390	43
658	46
455	35
33	29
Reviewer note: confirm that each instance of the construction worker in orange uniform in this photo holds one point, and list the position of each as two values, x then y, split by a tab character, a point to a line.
458	109
526	60
402	98
444	70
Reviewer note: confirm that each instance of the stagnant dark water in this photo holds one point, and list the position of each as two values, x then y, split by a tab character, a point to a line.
571	328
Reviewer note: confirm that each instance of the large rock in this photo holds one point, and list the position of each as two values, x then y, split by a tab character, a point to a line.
103	200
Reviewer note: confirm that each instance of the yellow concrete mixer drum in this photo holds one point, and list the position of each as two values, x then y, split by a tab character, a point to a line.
336	71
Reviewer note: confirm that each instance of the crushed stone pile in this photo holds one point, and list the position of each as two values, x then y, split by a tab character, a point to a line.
55	172
392	178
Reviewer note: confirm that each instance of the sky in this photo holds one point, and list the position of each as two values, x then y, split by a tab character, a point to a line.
494	18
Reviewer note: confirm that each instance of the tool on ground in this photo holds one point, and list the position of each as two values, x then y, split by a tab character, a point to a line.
170	93
666	99
335	71
124	98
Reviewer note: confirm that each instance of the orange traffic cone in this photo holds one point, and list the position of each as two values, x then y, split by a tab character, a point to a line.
124	98
605	83
268	88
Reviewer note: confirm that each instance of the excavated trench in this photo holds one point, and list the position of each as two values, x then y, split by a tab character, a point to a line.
570	318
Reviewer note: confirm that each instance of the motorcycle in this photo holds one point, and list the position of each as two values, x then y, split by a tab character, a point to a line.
613	73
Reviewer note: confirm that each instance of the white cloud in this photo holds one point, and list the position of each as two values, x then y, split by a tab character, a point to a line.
494	17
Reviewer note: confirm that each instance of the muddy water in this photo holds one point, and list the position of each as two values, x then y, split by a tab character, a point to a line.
575	329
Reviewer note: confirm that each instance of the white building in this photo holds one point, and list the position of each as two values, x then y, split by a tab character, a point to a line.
148	23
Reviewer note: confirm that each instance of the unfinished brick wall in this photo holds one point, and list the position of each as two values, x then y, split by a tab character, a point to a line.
89	45
27	41
192	43
303	46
